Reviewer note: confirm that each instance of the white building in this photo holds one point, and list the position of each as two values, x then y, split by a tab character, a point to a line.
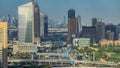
81	41
24	47
29	23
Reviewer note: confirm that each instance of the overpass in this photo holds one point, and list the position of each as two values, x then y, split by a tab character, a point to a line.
100	63
55	54
62	61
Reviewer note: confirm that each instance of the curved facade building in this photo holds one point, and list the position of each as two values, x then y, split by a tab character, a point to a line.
29	23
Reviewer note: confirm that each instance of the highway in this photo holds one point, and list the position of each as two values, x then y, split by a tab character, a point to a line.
55	54
61	60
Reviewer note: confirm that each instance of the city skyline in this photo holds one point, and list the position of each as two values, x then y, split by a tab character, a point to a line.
107	10
59	33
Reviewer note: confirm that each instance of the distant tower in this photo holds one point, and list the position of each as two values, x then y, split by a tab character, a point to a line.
100	31
72	25
94	21
79	22
71	13
65	24
36	22
9	20
43	24
46	25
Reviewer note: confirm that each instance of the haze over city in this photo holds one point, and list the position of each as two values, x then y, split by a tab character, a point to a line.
108	10
59	33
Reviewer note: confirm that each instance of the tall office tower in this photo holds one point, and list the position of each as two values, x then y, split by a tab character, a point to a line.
64	24
36	23
94	21
29	23
79	23
100	31
3	44
14	22
46	25
72	25
89	32
71	13
43	24
9	20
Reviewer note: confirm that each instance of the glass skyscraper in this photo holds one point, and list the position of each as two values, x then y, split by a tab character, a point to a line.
43	24
29	23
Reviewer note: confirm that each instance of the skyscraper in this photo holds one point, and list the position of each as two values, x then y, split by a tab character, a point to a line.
89	32
9	20
100	31
43	24
36	22
46	26
3	43
79	23
71	13
72	25
94	21
29	23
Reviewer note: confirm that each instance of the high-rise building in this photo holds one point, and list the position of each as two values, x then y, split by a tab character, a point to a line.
12	28
89	32
36	22
29	23
43	24
94	21
100	31
71	13
46	25
73	27
64	23
3	43
79	23
9	20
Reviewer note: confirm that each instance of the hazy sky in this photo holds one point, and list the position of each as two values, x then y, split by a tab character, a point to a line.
108	10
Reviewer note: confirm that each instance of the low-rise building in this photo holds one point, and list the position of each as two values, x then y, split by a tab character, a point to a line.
24	47
81	41
109	42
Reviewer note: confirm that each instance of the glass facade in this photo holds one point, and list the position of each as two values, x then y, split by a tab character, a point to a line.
25	15
29	23
36	21
43	24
